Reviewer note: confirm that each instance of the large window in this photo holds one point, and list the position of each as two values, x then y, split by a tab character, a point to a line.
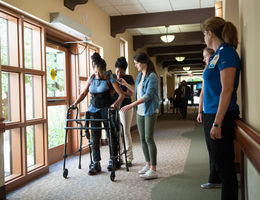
23	95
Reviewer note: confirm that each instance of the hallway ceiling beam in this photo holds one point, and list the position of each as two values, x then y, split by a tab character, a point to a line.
171	50
194	56
118	24
183	63
184	38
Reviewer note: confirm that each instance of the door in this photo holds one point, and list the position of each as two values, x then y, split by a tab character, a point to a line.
57	99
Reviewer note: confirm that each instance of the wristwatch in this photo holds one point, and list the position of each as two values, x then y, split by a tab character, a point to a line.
216	125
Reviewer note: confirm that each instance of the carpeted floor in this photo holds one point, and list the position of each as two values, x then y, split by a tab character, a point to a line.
173	137
186	185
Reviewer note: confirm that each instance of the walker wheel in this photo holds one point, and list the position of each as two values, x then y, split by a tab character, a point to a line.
112	176
65	173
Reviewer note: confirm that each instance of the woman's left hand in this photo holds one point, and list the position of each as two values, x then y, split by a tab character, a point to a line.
215	133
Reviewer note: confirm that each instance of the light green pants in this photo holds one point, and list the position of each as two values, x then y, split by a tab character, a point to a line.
146	130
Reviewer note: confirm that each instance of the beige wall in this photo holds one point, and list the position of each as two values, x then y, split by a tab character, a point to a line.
249	16
231	13
170	86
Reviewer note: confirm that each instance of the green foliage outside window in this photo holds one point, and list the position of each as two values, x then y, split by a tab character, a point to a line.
55	60
56	125
3	41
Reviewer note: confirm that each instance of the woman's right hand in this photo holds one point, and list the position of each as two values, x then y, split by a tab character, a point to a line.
73	106
121	81
199	117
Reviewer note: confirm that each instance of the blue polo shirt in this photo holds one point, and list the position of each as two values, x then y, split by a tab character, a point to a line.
225	56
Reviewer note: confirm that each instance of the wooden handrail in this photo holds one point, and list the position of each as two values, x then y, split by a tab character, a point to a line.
249	141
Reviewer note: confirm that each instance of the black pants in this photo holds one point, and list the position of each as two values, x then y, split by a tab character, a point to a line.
222	154
213	176
96	134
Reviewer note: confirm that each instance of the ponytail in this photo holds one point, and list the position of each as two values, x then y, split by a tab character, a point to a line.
225	31
229	34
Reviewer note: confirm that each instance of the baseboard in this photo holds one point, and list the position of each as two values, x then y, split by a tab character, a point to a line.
2	193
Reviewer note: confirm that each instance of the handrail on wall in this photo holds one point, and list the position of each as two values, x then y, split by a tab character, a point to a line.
249	142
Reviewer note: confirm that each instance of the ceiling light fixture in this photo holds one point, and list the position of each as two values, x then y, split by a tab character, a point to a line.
167	38
180	58
186	68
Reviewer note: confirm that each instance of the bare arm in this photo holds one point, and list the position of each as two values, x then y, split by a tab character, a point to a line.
227	78
199	117
121	96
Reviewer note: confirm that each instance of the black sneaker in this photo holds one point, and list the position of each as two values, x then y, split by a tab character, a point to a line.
114	166
94	168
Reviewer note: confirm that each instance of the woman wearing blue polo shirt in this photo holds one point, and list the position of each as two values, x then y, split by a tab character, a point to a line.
147	105
221	79
100	85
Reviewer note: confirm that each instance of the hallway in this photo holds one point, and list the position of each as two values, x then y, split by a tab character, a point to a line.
176	141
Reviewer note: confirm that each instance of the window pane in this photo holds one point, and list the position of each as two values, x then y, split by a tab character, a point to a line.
55	72
28	47
56	125
33	96
32	46
7	153
8	40
82	61
4	41
30	144
12	152
10	86
29	97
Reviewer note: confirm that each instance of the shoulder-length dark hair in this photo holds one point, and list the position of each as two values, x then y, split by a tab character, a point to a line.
144	58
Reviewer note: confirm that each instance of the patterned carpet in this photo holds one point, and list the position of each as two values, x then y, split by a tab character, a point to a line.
172	149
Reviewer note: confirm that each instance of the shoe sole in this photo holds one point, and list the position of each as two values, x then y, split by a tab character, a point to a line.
94	173
149	178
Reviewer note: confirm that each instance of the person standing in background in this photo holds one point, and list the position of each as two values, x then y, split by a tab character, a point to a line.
221	79
147	105
214	181
184	98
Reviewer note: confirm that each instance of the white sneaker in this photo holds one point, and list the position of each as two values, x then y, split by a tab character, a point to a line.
144	170
150	174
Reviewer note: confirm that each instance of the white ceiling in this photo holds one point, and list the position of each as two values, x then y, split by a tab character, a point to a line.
129	7
162	29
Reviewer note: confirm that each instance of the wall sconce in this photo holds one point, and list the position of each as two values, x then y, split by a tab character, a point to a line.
180	58
167	38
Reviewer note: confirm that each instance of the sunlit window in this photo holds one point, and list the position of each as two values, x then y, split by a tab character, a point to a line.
55	72
56	125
